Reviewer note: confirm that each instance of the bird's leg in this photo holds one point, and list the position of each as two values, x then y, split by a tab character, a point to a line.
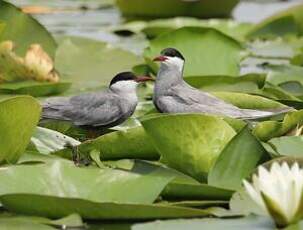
75	155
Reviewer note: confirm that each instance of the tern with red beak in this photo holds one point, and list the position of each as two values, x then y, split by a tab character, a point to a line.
173	95
108	108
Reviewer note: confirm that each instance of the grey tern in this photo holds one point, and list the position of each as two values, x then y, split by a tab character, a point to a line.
173	95
106	109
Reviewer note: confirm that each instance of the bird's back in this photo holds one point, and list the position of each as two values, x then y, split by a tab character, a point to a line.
92	109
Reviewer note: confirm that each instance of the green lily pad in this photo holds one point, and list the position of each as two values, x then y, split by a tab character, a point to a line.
255	84
171	8
267	130
2	26
287	146
34	88
189	143
248	223
247	101
91	64
56	207
278	48
24	30
289	21
282	74
11	221
140	185
189	191
250	83
157	27
130	144
18	119
237	161
91	192
46	141
214	53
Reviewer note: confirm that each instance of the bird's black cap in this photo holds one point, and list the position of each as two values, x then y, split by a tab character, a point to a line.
124	76
172	52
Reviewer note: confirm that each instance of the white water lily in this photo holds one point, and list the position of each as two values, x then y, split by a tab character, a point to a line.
279	192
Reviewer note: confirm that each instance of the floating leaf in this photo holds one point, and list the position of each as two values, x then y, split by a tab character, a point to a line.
157	27
214	53
56	207
250	83
34	88
237	161
141	185
18	118
171	8
177	190
287	146
9	221
46	141
132	143
92	192
283	75
36	65
91	64
248	223
24	30
289	21
247	101
189	143
269	129
278	48
2	26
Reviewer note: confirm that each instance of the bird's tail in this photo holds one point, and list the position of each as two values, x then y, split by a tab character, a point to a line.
250	114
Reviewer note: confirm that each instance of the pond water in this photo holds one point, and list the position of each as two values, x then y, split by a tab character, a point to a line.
92	18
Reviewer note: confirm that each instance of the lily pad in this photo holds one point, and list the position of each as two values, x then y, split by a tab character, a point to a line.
189	143
11	221
92	192
46	141
18	118
24	30
248	223
94	184
177	190
267	130
237	161
91	64
289	21
282	74
157	27
34	88
171	8
56	207
250	83
215	53
287	146
130	144
247	101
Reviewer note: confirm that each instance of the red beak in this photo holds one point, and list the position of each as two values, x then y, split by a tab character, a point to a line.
160	58
143	79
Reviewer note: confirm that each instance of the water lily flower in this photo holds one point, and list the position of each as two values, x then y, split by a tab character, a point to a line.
279	192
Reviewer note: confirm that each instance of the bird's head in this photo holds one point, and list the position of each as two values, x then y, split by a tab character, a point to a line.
127	81
171	57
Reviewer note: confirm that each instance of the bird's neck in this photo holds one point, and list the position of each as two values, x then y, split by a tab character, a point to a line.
168	76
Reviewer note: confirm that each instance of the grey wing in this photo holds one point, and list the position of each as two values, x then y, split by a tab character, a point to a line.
190	99
194	100
95	109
